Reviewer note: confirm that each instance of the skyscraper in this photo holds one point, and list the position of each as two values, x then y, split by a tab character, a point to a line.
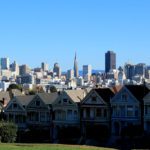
24	69
5	63
110	61
15	68
76	72
87	72
129	70
44	66
57	70
70	74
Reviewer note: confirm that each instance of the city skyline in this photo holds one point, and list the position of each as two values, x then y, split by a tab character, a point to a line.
46	31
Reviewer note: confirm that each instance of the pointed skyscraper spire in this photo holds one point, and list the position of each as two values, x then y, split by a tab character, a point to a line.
76	73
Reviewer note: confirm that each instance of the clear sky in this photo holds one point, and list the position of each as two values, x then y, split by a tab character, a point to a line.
32	31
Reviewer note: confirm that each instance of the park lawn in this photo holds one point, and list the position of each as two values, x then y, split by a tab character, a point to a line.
47	147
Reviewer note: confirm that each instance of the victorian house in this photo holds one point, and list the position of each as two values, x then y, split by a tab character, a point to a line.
39	110
31	111
66	113
16	110
147	113
128	108
96	113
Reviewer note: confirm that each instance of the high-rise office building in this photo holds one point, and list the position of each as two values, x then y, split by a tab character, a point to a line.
15	68
70	74
87	72
44	66
4	62
129	70
76	72
57	70
110	61
24	69
140	69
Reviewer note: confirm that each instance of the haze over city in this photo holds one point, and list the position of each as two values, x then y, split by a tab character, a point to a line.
51	31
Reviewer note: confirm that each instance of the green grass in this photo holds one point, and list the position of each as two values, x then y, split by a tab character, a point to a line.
47	147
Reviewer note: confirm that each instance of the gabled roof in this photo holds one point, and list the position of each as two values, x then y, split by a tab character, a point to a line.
105	93
76	95
24	100
48	98
138	91
147	98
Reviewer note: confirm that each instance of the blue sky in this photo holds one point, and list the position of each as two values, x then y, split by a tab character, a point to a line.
32	31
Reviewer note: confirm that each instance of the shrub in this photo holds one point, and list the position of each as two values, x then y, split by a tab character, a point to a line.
8	132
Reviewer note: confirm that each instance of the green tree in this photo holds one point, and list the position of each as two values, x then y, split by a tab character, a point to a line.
14	86
53	89
8	132
32	92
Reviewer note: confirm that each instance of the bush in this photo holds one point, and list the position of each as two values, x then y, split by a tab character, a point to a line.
8	132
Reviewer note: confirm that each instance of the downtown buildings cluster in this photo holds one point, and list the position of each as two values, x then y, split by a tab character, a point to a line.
72	79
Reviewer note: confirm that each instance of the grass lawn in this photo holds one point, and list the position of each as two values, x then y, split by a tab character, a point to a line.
47	147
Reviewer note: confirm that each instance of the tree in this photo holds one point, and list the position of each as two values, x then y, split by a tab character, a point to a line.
53	89
14	86
32	92
8	132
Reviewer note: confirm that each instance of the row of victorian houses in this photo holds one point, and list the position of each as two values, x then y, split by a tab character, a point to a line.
100	111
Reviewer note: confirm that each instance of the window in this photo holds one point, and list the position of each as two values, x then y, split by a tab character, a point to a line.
94	99
105	112
15	105
37	103
42	117
88	112
124	97
98	112
75	114
136	111
117	111
69	114
130	111
65	100
146	110
47	117
123	112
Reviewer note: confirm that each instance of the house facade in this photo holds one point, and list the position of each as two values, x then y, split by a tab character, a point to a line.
147	113
96	112
16	110
66	113
31	111
127	109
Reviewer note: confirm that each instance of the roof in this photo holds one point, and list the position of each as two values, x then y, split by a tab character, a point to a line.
4	95
138	91
48	98
76	95
16	92
105	93
147	98
24	100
